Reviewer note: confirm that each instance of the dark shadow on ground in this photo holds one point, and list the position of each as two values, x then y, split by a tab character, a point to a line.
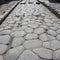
6	2
54	1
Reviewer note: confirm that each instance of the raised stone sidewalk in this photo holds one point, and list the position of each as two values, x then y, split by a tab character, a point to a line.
54	6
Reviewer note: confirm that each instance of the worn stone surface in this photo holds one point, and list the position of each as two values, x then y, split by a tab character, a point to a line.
3	48
47	45
58	37
19	33
1	57
30	32
58	31
55	44
39	31
33	25
52	32
31	44
31	36
17	41
28	55
4	39
13	54
45	37
57	55
44	53
5	32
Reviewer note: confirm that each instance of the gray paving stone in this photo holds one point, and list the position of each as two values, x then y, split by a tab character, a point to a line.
49	24
24	1
25	23
43	52
39	30
44	26
58	37
58	31
4	39
52	32
31	36
33	25
14	53
3	48
53	28
48	20
7	27
29	30
56	55
44	37
24	20
17	41
5	32
19	33
1	57
28	55
55	44
11	22
31	44
23	27
1	28
47	45
51	37
57	25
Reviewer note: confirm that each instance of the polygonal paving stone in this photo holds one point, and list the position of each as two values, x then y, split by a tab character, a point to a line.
19	33
58	31
11	21
53	28
44	37
56	25
49	24
46	44
31	36
4	39
39	30
22	28
31	44
24	23
17	41
33	25
29	30
3	48
58	37
55	44
28	55
5	32
1	28
1	57
8	27
51	37
44	26
56	55
52	32
13	54
43	52
48	20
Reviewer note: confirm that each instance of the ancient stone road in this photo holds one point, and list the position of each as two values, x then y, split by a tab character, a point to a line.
30	32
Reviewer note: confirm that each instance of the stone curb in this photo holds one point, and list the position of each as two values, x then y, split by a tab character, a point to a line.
53	10
7	12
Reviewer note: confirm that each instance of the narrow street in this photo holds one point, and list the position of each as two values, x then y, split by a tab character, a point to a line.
30	32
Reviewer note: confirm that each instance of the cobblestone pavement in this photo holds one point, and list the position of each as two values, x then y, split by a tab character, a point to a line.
30	32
